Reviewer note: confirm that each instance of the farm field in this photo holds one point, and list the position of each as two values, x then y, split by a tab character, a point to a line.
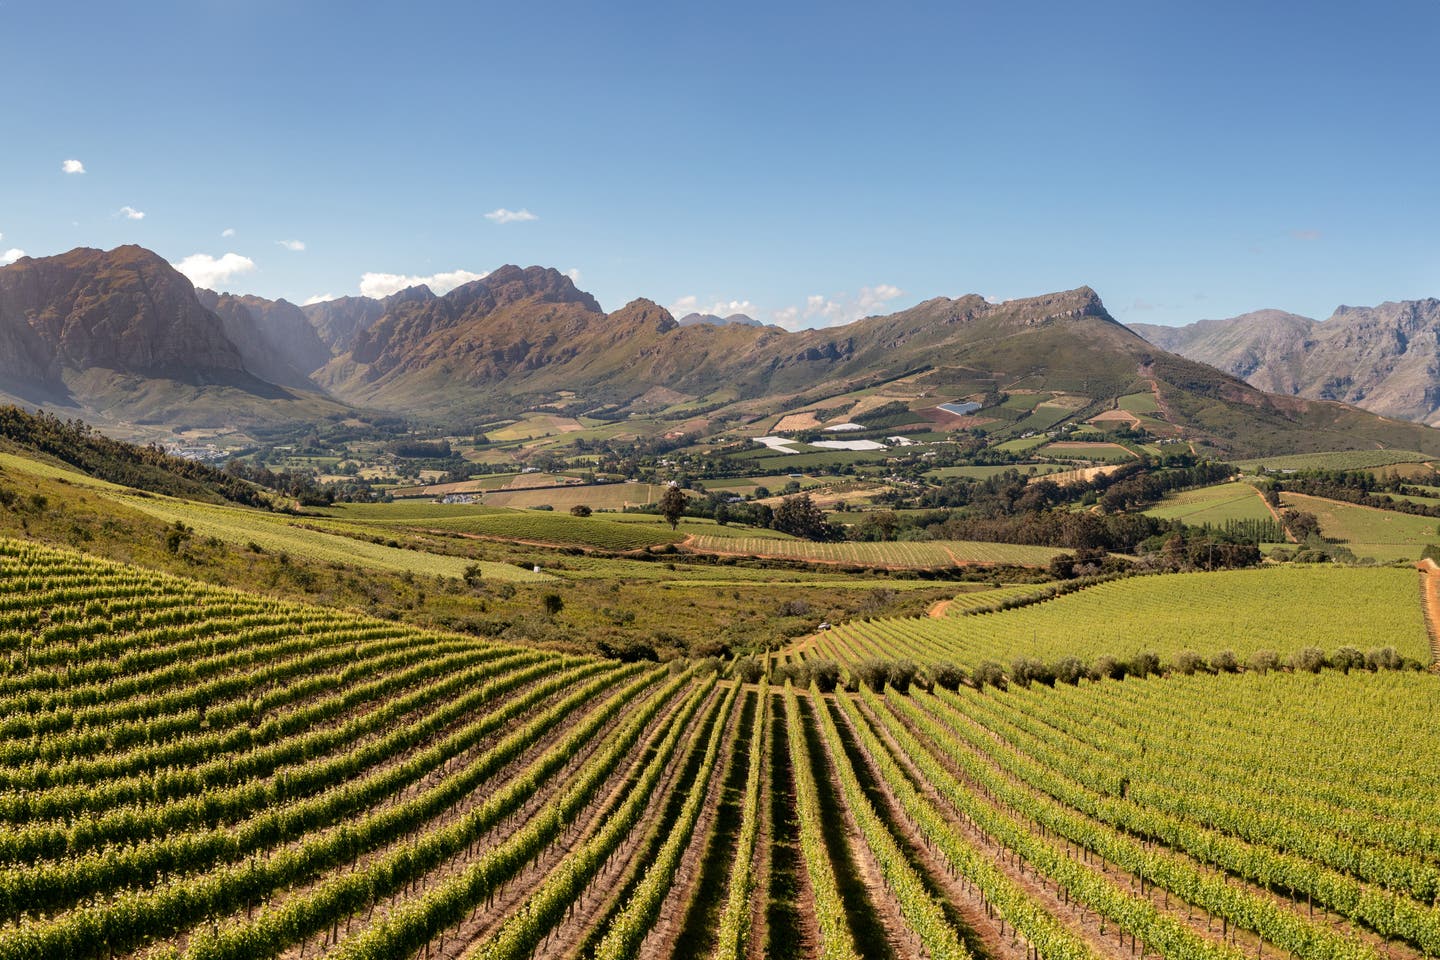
194	772
984	472
916	554
1341	460
1370	532
1087	450
559	528
1232	610
599	496
1213	505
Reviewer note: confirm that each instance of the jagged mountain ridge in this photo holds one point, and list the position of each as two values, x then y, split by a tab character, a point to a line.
1384	358
122	334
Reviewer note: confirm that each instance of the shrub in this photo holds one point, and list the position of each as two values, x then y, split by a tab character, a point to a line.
580	510
947	675
1384	658
1189	662
1308	659
1347	659
749	670
1070	670
1108	668
873	673
990	673
1225	662
1144	664
1263	661
825	674
901	673
1024	670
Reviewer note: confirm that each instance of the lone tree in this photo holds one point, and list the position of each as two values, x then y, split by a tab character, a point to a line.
800	517
672	505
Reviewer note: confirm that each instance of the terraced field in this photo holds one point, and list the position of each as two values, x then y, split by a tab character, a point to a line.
188	771
914	555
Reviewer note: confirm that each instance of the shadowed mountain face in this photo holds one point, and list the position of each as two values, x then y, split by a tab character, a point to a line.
690	319
1385	358
276	341
125	310
122	334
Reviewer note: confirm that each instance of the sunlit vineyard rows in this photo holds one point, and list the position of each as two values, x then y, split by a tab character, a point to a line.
188	771
916	554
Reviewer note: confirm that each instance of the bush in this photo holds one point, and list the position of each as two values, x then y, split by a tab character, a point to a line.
749	670
1347	659
990	673
901	673
873	673
580	510
1263	661
947	675
1308	659
825	674
1384	658
1070	670
1144	664
1189	663
1024	670
1108	668
1225	662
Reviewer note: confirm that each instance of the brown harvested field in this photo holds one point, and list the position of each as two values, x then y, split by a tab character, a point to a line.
1116	416
798	421
1082	475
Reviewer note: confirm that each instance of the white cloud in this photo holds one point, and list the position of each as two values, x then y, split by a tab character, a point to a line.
383	284
207	271
574	274
11	255
294	246
228	232
318	298
72	166
720	308
510	216
130	213
821	311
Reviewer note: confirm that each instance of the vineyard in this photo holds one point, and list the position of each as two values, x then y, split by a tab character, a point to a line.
910	554
189	771
1241	611
559	528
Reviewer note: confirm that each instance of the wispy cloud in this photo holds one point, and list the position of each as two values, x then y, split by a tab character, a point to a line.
383	284
822	311
228	232
1306	234
130	213
207	271
318	298
510	216
294	246
574	274
72	166
720	308
10	256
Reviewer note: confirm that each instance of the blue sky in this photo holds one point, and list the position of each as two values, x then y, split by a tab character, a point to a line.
801	162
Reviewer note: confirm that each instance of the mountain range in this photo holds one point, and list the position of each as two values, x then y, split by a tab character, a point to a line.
1385	359
120	336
